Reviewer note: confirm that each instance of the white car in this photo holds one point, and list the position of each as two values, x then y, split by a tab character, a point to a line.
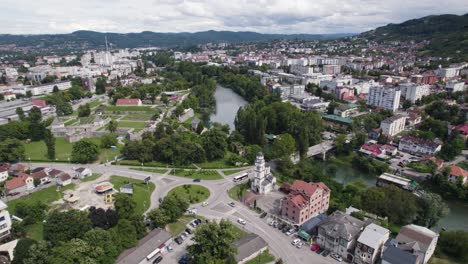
295	242
241	221
204	204
336	257
300	244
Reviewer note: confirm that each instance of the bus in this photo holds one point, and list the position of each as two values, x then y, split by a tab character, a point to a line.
241	177
153	254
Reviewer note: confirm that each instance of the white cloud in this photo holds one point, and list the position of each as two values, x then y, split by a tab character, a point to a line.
268	16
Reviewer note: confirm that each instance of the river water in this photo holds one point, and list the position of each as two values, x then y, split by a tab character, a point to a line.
227	104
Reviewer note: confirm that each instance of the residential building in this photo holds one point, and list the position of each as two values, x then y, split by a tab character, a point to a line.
152	245
414	92
457	174
304	201
263	180
5	221
186	115
391	179
455	86
43	88
394	255
81	173
64	179
418	239
370	244
300	69
128	102
448	72
21	183
386	97
378	151
339	233
248	247
4	172
346	110
338	121
332	69
462	130
393	125
41	176
419	146
314	103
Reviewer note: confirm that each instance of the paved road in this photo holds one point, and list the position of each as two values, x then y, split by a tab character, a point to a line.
218	208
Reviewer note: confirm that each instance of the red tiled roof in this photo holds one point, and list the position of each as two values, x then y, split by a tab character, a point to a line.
308	188
126	101
39	174
64	177
41	103
4	167
17	181
463	128
458	171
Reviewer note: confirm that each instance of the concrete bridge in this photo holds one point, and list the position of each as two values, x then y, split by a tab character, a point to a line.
319	149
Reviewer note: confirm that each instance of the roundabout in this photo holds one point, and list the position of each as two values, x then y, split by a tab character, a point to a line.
193	192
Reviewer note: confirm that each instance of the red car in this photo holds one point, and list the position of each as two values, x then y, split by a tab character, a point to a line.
315	247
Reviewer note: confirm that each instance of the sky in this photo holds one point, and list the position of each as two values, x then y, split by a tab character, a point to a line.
265	16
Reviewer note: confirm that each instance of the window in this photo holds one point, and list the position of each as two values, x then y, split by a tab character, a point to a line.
2	218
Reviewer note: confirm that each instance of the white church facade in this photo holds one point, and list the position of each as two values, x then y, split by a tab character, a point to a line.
263	181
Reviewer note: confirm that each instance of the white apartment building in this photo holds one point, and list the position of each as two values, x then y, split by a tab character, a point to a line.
3	173
455	86
386	97
418	146
370	244
5	221
448	72
327	61
285	91
43	88
299	69
414	92
393	125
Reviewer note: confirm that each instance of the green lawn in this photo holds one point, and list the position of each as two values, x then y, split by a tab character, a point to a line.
153	164
193	193
141	191
91	178
47	196
234	191
238	232
263	258
138	117
128	108
197	174
94	104
230	172
160	171
180	225
131	124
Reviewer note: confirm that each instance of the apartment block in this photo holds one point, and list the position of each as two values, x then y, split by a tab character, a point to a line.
386	97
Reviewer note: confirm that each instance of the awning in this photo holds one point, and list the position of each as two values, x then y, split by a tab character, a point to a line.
304	235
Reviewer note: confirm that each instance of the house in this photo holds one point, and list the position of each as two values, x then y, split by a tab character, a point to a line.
457	174
374	134
41	176
304	201
419	146
248	247
462	130
4	171
64	179
81	173
418	239
9	96
393	125
263	180
16	169
188	113
378	151
370	244
339	233
21	183
148	247
346	110
5	221
394	255
128	102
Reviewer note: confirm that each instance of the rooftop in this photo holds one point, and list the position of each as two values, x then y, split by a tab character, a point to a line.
248	245
374	235
155	239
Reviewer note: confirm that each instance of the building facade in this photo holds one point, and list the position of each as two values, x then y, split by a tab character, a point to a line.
370	244
419	146
413	92
418	239
393	125
304	201
386	97
5	221
263	181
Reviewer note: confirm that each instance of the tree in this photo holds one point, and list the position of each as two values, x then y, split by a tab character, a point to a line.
75	251
22	249
100	86
11	150
252	152
84	110
64	226
406	104
213	243
452	149
36	127
433	208
284	145
55	89
63	108
127	235
101	218
31	212
164	98
158	218
342	147
108	140
19	111
214	143
29	94
174	206
49	140
112	126
359	139
105	240
453	244
331	107
38	253
125	206
84	151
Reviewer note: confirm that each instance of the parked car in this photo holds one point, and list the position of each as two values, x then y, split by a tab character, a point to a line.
315	247
178	240
336	257
160	199
319	251
290	232
295	241
232	204
263	215
158	259
300	244
241	221
325	253
198	221
170	248
13	194
188	230
276	224
197	180
184	259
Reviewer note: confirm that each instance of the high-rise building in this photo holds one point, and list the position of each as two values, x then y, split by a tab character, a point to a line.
386	97
414	92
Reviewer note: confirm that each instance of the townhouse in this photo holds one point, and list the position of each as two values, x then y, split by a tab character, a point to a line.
418	146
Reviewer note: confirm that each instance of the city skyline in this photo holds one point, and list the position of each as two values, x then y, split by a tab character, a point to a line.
297	16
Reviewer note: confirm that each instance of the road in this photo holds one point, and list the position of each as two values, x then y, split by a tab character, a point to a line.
218	208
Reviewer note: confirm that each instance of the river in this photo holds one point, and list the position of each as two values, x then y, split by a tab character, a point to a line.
455	220
227	104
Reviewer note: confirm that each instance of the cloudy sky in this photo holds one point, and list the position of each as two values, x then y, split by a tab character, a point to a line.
266	16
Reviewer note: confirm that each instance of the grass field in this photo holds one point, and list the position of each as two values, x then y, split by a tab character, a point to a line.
131	124
35	231
141	191
179	226
160	171
263	258
94	104
91	178
128	108
138	117
197	174
193	193
230	172
238	232
234	191
153	164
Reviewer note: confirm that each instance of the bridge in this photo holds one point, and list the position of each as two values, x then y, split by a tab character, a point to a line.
319	149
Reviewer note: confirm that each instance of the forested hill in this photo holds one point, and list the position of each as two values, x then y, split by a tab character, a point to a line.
91	39
448	34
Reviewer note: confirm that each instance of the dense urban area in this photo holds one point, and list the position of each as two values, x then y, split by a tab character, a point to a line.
278	150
